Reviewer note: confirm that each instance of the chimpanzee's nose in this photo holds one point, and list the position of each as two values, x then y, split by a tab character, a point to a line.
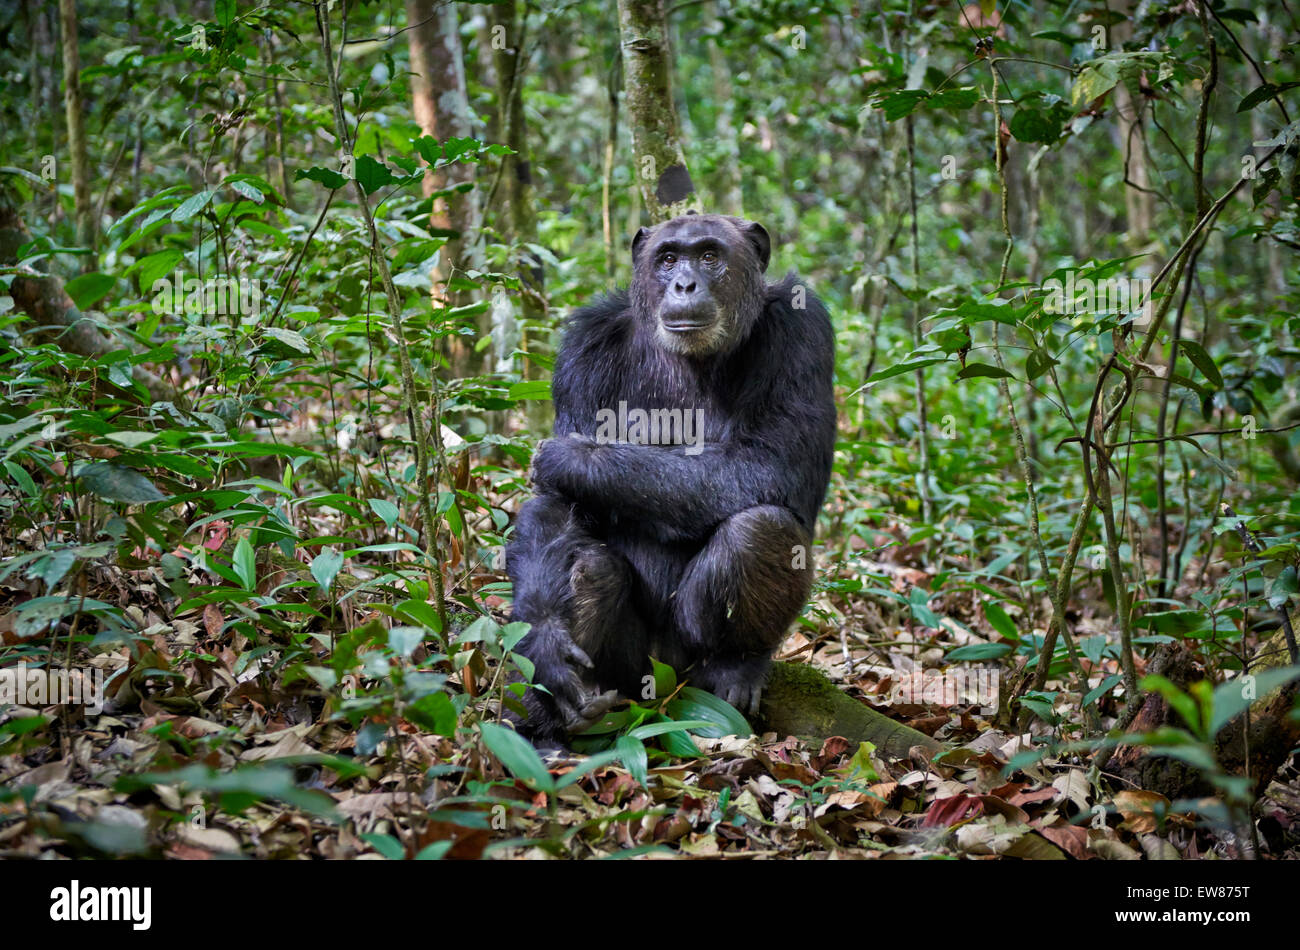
684	287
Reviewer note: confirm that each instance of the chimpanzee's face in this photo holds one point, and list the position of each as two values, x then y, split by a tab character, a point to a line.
700	279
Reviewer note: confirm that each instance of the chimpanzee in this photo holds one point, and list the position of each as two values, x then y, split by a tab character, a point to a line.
694	429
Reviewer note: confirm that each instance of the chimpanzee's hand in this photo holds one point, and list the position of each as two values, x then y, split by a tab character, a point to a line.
565	669
561	461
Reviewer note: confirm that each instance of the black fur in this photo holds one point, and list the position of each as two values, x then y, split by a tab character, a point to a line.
683	552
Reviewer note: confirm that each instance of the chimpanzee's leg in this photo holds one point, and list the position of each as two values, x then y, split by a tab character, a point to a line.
739	596
585	638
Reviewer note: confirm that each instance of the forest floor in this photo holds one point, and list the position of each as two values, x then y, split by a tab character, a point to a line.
269	769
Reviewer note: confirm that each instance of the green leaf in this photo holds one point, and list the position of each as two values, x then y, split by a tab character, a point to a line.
1039	362
902	103
385	509
1031	125
434	851
1263	94
386	845
531	389
1000	621
240	788
1095	79
36	616
372	174
652	729
665	679
433	713
979	651
155	266
860	767
1102	688
325	176
1232	697
249	191
245	564
325	567
693	703
87	289
1181	702
517	755
1202	360
114	482
631	752
192	206
282	344
974	370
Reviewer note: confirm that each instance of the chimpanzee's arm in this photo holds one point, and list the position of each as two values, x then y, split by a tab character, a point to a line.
780	453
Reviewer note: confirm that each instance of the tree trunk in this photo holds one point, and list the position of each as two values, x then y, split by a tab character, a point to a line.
520	218
441	106
800	701
660	164
72	104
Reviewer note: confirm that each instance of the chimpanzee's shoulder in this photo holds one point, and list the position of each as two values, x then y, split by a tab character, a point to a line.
604	312
792	303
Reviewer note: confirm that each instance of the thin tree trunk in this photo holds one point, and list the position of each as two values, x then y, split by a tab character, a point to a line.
660	163
520	216
73	107
441	105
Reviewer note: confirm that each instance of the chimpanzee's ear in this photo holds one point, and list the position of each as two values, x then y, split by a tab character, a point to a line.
641	235
758	238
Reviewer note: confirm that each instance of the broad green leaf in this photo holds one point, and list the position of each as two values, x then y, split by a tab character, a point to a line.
325	176
1231	698
1039	362
531	389
372	174
282	344
325	567
385	509
973	370
245	564
386	845
631	752
433	713
693	703
87	289
517	755
114	482
1202	360
1102	688
979	651
1000	621
1182	702
192	206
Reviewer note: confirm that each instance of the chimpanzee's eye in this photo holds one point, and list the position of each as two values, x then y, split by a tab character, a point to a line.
669	260
709	257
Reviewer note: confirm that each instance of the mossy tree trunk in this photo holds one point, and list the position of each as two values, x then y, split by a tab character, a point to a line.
660	163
